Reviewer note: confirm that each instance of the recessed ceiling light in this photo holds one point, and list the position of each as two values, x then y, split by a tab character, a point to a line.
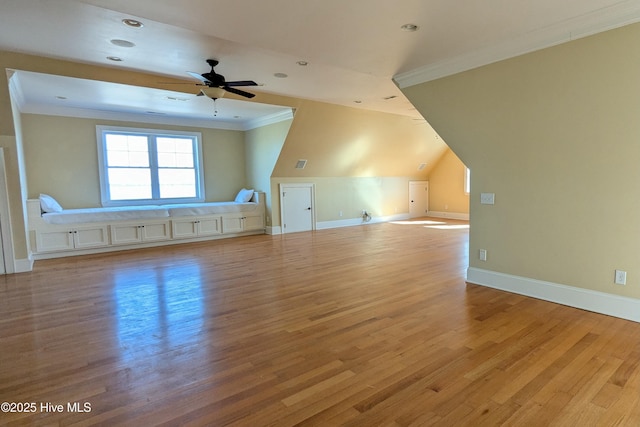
132	23
302	63
122	43
280	75
114	58
61	97
409	27
386	98
357	101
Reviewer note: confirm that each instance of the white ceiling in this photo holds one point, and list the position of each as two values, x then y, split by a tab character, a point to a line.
354	49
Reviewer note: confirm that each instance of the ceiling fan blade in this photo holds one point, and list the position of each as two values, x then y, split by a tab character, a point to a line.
242	83
197	76
239	92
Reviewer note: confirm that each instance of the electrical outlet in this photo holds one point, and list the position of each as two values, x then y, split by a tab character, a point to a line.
621	277
482	254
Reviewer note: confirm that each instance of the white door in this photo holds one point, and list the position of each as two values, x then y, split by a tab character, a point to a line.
418	198
297	207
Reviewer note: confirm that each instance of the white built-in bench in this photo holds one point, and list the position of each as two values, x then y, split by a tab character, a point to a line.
85	231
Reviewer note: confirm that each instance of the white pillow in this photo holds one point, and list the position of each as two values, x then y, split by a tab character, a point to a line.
49	204
244	196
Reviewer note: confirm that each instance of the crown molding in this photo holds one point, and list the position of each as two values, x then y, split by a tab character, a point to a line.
268	120
615	16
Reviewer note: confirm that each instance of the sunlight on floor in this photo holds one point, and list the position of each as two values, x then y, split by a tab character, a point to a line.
449	226
440	225
418	222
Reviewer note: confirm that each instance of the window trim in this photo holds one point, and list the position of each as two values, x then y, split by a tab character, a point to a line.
105	199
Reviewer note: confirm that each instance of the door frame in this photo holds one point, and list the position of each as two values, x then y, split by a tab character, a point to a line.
6	235
311	187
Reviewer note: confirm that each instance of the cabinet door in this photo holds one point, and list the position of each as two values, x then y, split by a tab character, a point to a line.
126	234
91	237
54	241
232	224
209	225
184	229
156	231
253	223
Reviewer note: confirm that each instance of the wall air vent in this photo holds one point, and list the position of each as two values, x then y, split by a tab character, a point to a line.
300	164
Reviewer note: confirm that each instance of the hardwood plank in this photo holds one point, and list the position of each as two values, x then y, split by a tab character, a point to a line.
370	325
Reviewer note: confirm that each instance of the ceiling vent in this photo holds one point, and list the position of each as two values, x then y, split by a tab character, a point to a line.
300	164
421	166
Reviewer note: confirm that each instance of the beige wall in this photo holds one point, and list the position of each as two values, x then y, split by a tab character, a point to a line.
446	185
341	141
554	134
64	164
262	146
379	196
357	159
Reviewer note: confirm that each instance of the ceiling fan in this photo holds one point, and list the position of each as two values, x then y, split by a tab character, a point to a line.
218	84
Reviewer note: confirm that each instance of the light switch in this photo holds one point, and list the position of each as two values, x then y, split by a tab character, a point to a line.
487	198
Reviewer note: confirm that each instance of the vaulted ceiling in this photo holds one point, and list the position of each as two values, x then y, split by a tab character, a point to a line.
334	51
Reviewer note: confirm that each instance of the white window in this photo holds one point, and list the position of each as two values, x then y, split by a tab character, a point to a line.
142	166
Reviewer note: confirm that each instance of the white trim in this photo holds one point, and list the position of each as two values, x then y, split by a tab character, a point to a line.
155	119
585	299
450	215
358	221
312	188
269	120
5	220
151	135
272	230
23	265
617	15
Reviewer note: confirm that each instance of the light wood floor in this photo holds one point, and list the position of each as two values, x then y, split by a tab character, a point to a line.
358	326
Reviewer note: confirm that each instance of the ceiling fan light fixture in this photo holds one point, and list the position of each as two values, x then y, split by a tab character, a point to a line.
213	92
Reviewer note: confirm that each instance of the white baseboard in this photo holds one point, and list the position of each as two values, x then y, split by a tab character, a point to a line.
585	299
450	215
358	221
23	265
273	230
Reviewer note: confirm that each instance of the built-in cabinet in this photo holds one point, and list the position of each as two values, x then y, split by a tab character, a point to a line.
196	227
125	234
240	224
53	241
73	238
48	240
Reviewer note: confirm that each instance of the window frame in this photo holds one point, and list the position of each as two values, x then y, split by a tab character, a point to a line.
151	134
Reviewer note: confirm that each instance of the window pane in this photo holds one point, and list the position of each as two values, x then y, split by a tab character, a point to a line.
175	152
177	183
129	183
127	150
